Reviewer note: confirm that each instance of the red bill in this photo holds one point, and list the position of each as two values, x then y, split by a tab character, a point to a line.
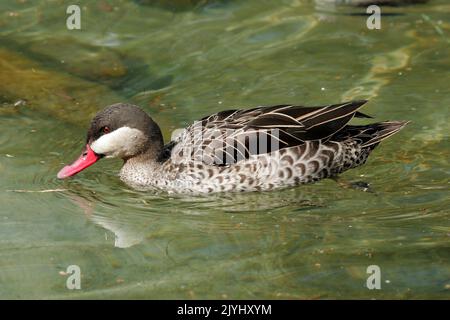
87	158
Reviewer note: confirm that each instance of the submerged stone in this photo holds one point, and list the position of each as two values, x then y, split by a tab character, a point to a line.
60	95
180	5
126	74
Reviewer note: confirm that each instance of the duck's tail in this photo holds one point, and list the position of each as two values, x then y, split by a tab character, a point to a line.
372	134
383	130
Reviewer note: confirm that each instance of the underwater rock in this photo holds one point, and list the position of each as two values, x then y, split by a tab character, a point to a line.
125	74
180	5
86	61
365	3
137	79
60	95
392	3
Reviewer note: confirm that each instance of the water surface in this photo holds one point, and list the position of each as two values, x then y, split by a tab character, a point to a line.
181	63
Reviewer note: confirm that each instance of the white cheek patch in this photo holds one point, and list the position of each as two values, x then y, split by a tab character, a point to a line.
123	142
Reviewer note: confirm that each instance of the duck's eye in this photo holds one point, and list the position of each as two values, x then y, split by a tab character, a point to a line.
105	130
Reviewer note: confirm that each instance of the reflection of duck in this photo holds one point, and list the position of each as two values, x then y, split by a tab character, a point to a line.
126	233
135	222
235	150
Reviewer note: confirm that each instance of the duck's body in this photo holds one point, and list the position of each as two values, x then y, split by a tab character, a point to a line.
259	149
292	166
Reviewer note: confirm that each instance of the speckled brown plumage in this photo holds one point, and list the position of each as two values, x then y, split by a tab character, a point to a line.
216	154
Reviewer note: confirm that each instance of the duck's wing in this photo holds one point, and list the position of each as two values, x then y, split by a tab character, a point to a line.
229	136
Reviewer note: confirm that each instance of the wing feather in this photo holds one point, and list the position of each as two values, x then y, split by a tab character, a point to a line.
234	132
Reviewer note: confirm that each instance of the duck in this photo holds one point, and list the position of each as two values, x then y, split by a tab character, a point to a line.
237	150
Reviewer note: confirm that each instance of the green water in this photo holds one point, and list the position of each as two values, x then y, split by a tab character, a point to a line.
182	62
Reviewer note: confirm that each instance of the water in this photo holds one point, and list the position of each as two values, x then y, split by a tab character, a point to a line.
180	63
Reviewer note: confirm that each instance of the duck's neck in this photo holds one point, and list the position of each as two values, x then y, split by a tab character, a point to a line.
143	170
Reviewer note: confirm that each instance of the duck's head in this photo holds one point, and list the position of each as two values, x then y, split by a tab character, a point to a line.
119	131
